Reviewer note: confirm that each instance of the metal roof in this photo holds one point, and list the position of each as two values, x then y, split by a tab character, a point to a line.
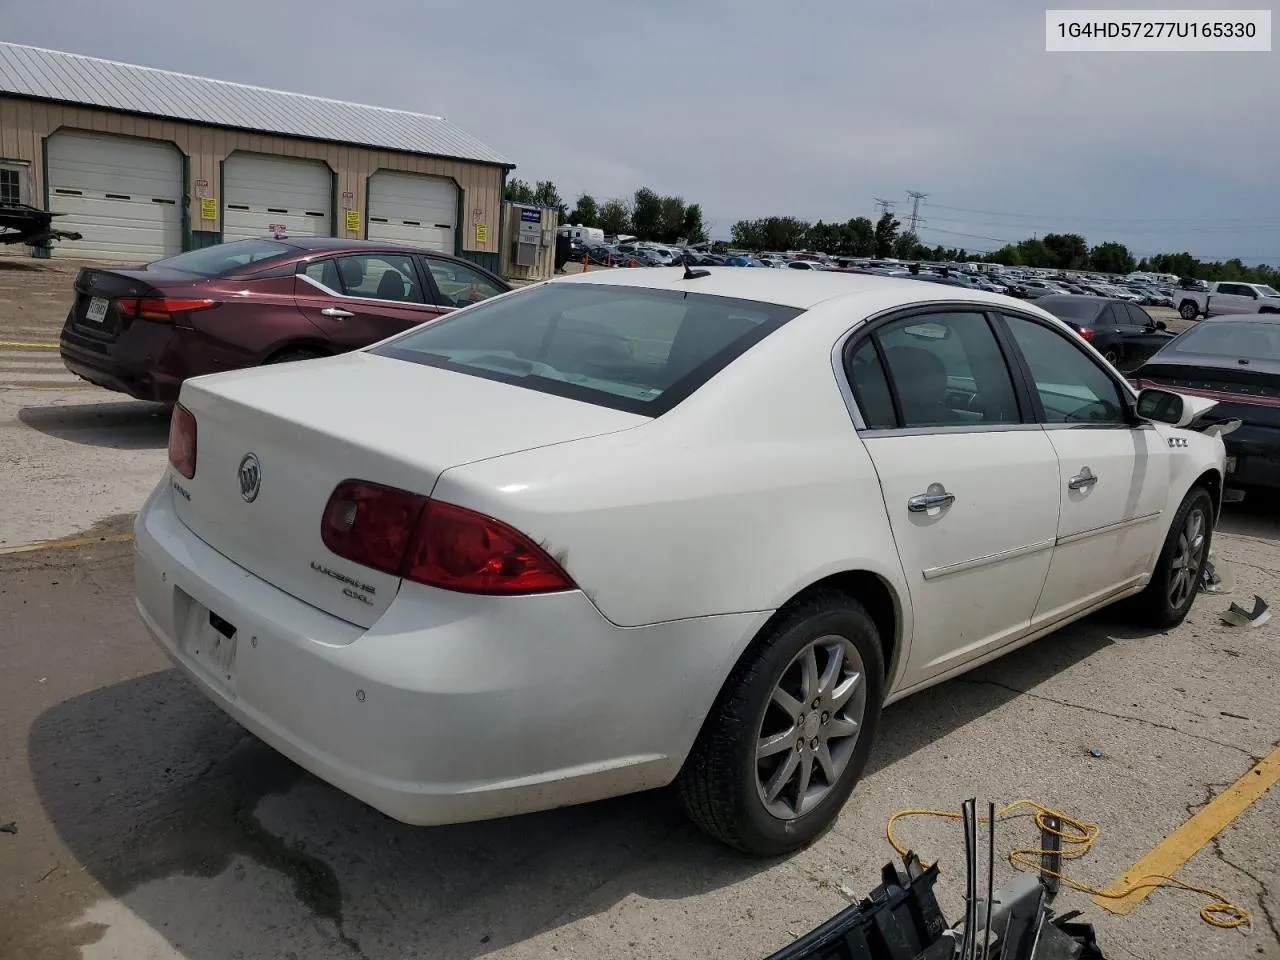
88	81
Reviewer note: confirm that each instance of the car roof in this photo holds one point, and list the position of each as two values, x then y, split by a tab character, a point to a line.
802	289
329	244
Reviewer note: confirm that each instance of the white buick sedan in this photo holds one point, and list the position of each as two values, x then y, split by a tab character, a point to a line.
640	527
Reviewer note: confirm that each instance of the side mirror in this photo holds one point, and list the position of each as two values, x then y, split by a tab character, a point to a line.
1164	406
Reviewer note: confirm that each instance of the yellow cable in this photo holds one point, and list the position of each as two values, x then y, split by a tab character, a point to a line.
1077	837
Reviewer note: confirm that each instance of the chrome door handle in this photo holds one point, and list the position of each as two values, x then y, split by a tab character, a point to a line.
935	496
336	312
1084	478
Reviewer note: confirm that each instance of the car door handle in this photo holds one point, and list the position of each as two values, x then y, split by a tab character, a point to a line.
336	313
1085	478
936	496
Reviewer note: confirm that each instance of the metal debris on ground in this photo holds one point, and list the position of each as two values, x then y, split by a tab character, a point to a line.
10	827
1217	576
901	918
1237	616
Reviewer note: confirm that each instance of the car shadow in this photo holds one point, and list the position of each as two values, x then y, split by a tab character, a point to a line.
1257	515
126	425
20	266
148	785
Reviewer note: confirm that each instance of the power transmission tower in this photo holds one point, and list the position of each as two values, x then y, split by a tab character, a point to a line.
886	206
915	221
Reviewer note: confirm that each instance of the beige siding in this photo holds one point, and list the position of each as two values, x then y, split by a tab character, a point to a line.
25	123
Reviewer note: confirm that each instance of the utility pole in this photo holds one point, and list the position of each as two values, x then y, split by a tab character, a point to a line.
915	221
886	206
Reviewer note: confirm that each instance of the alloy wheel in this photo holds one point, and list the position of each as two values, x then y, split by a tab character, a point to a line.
1188	554
810	726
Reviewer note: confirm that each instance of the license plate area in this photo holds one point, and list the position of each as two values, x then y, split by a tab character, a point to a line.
96	312
207	640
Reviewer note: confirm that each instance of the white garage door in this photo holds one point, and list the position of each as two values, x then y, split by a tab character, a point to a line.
408	208
262	193
123	195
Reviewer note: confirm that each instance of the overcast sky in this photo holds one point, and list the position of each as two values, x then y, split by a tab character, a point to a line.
756	107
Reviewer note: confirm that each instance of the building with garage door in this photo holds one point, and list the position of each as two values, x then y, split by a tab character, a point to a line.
146	163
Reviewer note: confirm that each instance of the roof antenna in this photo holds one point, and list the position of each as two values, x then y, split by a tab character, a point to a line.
690	273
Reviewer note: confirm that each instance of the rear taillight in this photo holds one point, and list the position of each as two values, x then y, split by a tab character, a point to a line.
1086	332
371	524
182	441
435	543
160	308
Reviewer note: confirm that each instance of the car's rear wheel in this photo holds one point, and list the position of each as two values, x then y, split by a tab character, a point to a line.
788	737
1112	356
1167	599
1188	310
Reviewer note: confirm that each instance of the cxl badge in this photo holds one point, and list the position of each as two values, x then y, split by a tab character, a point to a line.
250	477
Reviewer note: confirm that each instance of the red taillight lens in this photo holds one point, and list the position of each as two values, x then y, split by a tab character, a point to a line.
459	549
161	308
371	524
182	441
1086	332
435	543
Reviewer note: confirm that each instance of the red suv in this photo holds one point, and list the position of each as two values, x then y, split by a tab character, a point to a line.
241	304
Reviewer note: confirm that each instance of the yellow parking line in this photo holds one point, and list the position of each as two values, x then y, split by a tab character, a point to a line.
1178	847
28	345
64	544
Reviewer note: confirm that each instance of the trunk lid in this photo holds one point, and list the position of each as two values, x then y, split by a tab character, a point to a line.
313	424
1248	392
96	310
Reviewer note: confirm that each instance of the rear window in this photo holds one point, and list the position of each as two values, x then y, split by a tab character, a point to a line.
629	348
1070	308
1224	338
226	258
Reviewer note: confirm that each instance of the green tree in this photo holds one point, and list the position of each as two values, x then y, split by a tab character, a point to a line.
519	192
1035	254
615	217
1111	257
693	230
1068	250
545	193
886	235
859	238
646	214
824	237
1009	255
671	222
586	213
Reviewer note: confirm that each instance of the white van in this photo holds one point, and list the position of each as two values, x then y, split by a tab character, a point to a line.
591	236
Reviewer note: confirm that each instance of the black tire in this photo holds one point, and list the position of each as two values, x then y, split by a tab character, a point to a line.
718	784
1188	310
1113	356
1154	606
292	356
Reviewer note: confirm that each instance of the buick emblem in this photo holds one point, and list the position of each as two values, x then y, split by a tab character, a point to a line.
250	477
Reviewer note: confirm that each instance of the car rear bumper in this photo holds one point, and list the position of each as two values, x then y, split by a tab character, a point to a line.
452	708
135	362
1256	452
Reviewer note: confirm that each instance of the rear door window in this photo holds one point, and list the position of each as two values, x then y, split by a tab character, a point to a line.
629	348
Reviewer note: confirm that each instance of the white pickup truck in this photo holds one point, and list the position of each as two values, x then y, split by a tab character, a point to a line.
1223	298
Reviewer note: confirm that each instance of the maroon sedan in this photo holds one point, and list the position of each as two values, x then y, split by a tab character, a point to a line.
144	331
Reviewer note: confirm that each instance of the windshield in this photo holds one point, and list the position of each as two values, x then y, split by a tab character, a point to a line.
1227	338
1267	291
226	258
629	348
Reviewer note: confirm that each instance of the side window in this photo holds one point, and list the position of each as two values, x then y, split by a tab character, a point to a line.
325	273
945	370
1139	317
1113	315
1072	387
381	276
871	387
460	286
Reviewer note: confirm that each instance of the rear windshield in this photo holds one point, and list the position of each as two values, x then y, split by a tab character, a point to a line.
629	348
1070	308
226	258
1224	338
